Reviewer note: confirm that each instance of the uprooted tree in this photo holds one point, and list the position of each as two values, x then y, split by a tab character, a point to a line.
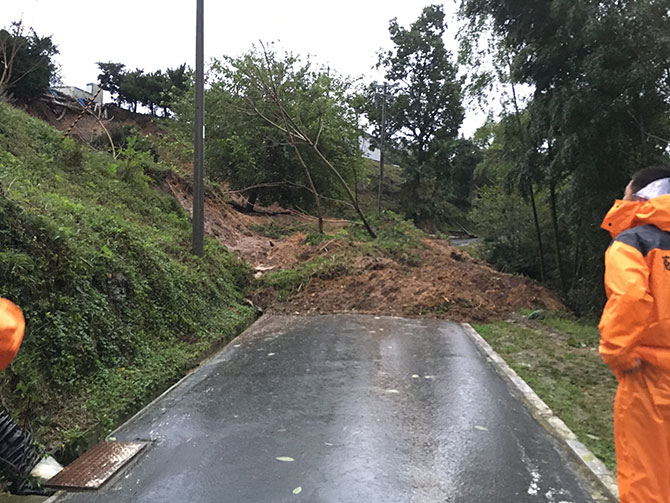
280	130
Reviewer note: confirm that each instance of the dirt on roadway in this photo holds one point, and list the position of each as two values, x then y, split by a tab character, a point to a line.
446	282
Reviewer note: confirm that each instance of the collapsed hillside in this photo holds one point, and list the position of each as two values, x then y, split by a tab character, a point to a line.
444	283
296	274
439	281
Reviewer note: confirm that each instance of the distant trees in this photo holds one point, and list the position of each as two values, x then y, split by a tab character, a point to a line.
155	90
26	63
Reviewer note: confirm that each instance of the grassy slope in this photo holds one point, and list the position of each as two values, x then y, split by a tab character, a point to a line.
99	260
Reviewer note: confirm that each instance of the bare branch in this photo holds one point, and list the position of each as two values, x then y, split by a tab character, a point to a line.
318	135
109	137
294	131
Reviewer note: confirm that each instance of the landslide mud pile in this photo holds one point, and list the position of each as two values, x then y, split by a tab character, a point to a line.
447	283
441	282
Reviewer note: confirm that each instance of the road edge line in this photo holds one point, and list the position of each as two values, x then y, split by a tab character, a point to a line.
546	417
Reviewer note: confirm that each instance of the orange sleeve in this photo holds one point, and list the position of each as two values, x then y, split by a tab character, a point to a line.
629	306
12	326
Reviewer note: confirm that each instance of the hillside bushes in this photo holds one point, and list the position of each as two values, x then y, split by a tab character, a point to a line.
99	260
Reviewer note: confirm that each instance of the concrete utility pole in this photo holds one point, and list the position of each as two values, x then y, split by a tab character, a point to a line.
199	161
382	138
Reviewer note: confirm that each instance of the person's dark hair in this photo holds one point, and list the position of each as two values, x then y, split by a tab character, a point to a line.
645	176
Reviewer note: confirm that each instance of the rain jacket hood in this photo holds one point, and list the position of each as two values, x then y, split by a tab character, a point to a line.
628	214
12	326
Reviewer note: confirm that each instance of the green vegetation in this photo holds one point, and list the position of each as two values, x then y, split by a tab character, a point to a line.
26	63
280	130
504	222
557	356
117	307
594	117
397	239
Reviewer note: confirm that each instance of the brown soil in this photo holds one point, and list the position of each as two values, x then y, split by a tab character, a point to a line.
88	128
234	230
448	283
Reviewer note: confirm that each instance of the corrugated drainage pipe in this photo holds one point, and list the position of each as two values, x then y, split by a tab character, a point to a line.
18	454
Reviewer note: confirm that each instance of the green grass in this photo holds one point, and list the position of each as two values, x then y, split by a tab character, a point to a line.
557	356
286	282
397	239
99	259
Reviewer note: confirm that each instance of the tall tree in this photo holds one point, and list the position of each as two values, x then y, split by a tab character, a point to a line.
26	63
152	86
132	88
175	83
110	78
599	108
425	111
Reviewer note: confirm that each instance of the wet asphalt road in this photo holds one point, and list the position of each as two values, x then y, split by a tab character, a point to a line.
369	410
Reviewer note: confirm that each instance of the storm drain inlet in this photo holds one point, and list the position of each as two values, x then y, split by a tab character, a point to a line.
96	466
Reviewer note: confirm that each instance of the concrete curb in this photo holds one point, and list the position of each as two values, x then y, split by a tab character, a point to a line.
543	414
212	355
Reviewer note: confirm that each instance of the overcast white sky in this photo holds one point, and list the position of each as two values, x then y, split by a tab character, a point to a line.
157	34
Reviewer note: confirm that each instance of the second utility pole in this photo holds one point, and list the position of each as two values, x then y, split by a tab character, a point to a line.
381	152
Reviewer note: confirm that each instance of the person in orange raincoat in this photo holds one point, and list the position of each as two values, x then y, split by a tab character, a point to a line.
12	326
635	335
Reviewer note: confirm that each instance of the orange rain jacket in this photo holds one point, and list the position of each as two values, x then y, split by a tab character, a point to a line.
636	319
635	325
12	326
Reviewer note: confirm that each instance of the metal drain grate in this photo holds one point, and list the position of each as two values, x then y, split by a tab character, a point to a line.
96	466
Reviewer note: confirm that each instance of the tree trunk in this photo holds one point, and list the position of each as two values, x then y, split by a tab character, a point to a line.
538	231
251	201
346	187
557	244
577	266
536	220
355	173
317	198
